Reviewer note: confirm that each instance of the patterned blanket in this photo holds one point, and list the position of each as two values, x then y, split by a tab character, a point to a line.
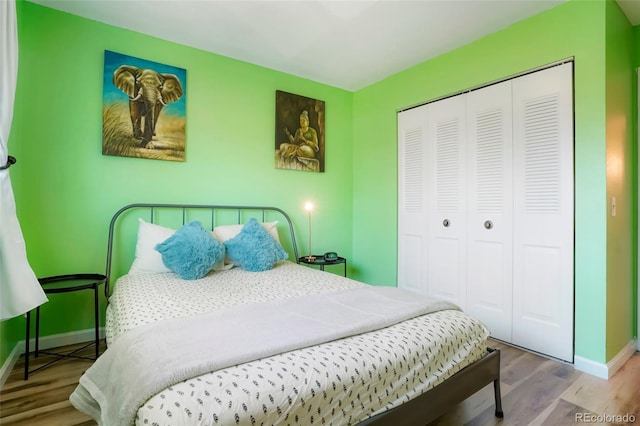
152	357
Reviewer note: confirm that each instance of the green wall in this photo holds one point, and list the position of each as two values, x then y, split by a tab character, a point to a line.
574	29
636	130
621	180
66	190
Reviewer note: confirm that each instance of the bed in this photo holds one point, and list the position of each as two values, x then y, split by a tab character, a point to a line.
286	345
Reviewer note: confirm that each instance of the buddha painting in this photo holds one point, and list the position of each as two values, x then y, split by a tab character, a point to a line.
299	133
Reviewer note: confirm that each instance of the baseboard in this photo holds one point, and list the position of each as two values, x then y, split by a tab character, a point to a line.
63	339
605	371
11	360
46	342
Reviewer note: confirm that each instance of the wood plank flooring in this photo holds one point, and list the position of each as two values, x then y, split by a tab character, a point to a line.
535	391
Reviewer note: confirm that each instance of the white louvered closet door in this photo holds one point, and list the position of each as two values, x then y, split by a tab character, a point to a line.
486	207
490	208
446	189
412	200
543	212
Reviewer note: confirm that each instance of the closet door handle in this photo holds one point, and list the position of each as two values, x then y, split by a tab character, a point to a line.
446	223
488	224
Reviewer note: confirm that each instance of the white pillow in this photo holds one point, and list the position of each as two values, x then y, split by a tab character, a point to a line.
226	232
147	259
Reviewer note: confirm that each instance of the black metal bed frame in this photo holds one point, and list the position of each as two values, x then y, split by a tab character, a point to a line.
151	208
441	399
420	410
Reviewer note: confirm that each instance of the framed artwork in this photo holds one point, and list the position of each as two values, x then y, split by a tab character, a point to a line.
143	108
300	133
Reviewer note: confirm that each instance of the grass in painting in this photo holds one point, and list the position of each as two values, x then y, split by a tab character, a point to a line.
117	137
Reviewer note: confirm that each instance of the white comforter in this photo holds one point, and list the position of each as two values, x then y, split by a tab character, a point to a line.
340	382
151	358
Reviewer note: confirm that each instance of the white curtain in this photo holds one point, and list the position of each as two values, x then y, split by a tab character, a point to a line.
19	288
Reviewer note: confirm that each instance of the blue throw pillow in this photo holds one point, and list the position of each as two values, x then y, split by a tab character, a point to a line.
254	249
191	252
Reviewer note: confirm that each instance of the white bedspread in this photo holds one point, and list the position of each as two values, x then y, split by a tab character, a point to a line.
340	382
146	298
151	358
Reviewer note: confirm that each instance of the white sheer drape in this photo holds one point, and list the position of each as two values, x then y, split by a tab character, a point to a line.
19	287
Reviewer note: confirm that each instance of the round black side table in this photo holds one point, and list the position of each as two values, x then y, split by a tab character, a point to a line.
318	260
65	284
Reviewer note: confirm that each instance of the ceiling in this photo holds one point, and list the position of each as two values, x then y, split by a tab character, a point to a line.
348	44
631	8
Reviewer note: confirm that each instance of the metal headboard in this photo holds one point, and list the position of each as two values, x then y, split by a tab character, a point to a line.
186	208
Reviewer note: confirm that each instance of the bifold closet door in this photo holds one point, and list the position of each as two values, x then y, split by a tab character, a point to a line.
412	200
490	208
543	212
446	163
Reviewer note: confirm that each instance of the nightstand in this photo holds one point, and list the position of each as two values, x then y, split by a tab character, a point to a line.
319	261
65	284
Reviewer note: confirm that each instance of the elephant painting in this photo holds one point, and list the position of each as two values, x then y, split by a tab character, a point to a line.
143	108
148	91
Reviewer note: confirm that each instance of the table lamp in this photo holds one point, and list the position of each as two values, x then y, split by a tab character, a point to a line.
308	206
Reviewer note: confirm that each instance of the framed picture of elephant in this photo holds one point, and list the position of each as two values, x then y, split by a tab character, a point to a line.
299	133
143	108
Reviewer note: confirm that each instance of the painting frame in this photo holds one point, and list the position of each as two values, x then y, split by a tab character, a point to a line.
143	108
299	133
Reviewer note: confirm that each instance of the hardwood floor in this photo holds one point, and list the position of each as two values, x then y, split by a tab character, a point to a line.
541	391
535	391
